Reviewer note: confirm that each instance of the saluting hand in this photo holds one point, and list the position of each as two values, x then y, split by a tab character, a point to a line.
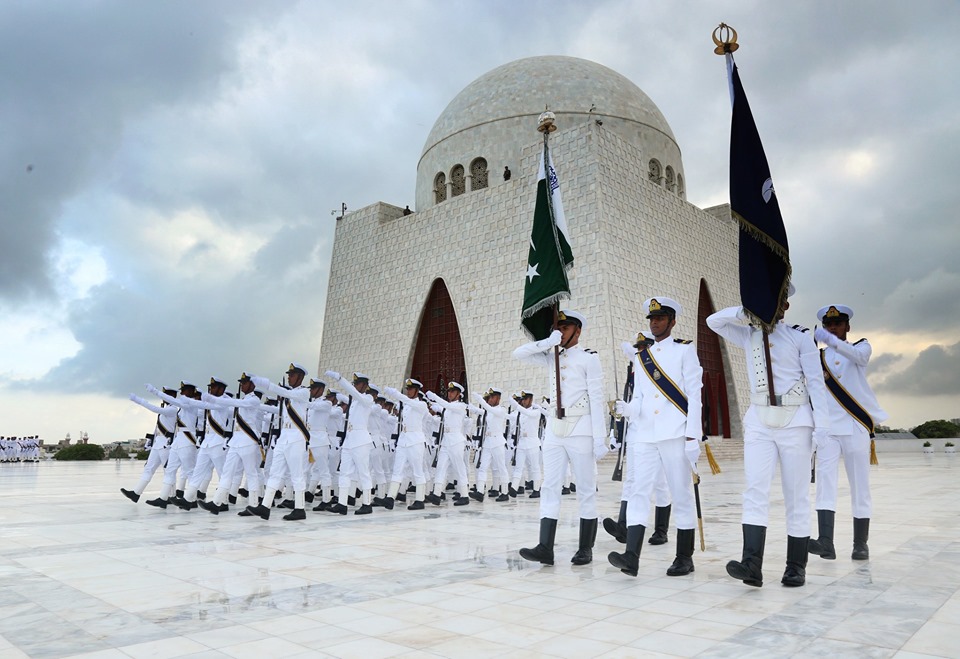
823	336
153	390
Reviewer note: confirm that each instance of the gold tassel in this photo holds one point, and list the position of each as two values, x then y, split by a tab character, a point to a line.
714	467
873	452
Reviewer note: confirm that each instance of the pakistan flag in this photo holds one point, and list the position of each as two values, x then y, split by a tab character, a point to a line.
550	255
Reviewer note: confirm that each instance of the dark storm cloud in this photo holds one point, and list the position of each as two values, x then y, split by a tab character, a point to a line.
935	372
74	74
883	362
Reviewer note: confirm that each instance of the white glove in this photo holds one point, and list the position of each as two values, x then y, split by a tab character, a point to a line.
599	448
823	336
628	349
820	437
135	398
260	382
552	340
432	396
153	390
622	408
692	450
333	375
612	440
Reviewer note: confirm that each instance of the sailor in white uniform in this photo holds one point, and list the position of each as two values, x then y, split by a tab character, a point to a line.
854	411
158	443
452	443
183	450
357	444
411	443
493	450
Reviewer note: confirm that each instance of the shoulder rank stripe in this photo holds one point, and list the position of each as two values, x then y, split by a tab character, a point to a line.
662	381
843	397
683	341
245	427
800	328
217	428
297	421
860	341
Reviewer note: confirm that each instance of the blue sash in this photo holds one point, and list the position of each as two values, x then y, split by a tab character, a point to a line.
843	397
662	381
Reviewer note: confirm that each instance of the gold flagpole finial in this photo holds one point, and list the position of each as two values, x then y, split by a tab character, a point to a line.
726	39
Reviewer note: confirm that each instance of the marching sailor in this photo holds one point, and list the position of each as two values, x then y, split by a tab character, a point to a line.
411	442
666	413
573	439
290	450
493	450
183	450
528	442
454	440
853	412
158	443
318	473
773	434
357	444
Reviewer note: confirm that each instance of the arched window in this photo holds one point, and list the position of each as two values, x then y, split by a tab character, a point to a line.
680	189
458	182
478	171
656	173
440	188
671	181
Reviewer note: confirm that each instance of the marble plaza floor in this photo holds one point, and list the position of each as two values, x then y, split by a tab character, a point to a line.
85	572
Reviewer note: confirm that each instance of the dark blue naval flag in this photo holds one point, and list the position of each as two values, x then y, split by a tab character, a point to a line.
764	254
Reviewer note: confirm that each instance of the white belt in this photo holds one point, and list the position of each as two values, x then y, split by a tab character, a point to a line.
785	400
578	409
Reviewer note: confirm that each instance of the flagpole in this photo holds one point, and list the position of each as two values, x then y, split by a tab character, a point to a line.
546	126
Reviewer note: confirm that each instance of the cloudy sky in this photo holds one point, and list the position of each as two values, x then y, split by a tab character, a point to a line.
168	171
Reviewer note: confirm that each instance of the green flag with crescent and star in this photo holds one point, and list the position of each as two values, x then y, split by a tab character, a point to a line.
550	255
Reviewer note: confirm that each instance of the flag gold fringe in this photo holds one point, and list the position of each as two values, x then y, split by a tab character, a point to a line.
873	452
714	466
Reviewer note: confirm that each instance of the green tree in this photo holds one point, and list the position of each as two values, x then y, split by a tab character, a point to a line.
938	429
80	452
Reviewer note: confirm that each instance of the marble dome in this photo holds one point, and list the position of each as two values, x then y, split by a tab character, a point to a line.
495	116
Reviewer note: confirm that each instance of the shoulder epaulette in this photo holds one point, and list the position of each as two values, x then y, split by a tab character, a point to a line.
683	341
860	341
592	352
800	328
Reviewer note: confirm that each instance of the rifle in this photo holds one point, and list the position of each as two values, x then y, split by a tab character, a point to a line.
438	436
478	437
516	441
395	437
342	433
621	428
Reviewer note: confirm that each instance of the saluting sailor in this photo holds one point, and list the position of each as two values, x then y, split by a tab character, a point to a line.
773	434
452	444
853	412
665	413
493	452
411	443
574	439
528	443
290	451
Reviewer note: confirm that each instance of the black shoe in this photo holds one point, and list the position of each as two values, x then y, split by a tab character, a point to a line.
232	499
411	488
401	497
618	531
183	504
377	501
543	552
528	485
512	491
388	503
462	501
337	508
796	573
432	498
308	497
565	490
365	509
520	490
573	487
456	496
749	569
535	494
210	507
351	501
416	505
861	533
493	493
661	523
158	503
287	503
245	513
243	492
260	511
320	507
295	514
450	486
477	496
130	494
179	494
502	498
277	495
588	536
823	545
629	561
683	563
202	496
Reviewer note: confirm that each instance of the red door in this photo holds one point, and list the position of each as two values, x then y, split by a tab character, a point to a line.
438	357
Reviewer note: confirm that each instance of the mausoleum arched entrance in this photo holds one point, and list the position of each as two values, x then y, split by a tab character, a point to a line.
437	348
716	406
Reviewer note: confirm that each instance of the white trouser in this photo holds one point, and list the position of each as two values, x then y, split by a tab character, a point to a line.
320	469
377	474
558	452
289	456
157	457
208	459
243	457
409	458
855	450
649	462
451	456
183	458
355	465
529	458
763	448
492	457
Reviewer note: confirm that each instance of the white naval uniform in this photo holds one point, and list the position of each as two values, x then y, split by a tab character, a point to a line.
528	443
159	446
572	439
494	453
319	472
452	445
848	364
213	451
661	430
244	452
412	442
290	451
355	452
334	424
183	450
796	366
